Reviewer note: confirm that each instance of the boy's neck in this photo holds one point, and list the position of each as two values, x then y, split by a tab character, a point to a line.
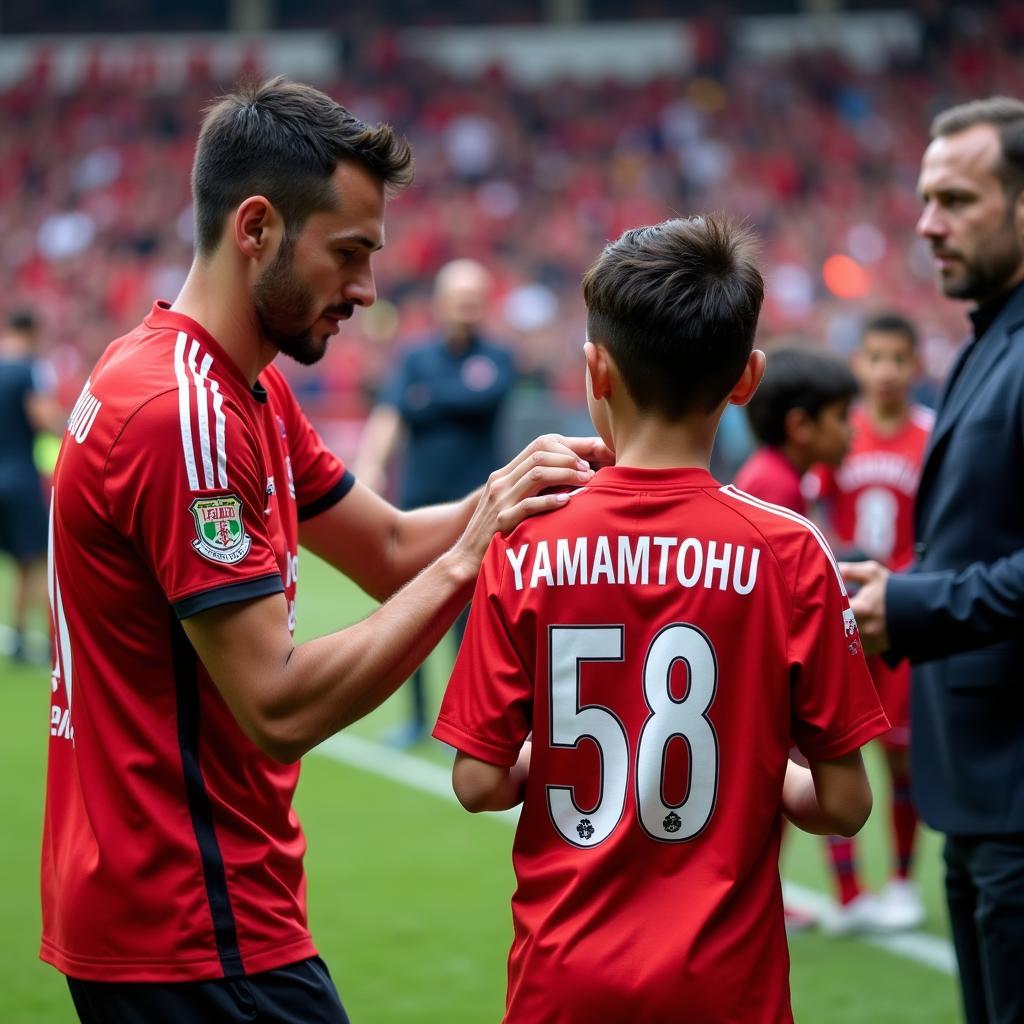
654	444
887	419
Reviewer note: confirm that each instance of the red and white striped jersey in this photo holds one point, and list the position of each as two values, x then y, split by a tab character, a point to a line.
870	497
170	849
665	640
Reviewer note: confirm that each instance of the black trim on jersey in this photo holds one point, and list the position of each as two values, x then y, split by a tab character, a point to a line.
259	392
186	684
244	590
332	497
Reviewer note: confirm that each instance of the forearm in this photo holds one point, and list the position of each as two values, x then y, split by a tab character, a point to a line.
486	787
332	681
287	697
935	614
421	534
800	802
829	797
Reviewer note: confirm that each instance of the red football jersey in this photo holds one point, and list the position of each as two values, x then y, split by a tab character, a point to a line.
665	639
170	848
769	475
871	495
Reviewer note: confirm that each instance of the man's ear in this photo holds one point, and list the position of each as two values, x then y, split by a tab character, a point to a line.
598	370
258	228
753	372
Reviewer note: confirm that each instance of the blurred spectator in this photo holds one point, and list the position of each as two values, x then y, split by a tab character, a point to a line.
531	181
26	408
445	395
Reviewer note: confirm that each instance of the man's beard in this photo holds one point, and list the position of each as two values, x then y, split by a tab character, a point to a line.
988	274
283	306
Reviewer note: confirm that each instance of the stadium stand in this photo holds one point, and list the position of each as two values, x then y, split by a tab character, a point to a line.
820	154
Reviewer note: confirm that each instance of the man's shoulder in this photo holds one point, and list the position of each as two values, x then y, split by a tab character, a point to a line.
159	389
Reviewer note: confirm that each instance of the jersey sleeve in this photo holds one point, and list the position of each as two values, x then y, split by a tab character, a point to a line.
835	706
319	477
487	707
206	546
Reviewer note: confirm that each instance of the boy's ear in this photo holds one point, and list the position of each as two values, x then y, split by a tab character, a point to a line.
753	372
598	370
799	426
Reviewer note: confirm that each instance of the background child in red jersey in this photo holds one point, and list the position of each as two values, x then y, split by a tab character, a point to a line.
800	415
869	502
665	639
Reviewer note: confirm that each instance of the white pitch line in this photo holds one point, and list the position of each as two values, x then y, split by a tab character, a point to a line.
927	949
416	773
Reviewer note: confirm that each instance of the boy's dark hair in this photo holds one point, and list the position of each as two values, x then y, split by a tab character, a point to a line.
1006	115
890	323
676	305
796	378
283	140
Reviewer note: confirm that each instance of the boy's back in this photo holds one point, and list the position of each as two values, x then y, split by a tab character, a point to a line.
663	638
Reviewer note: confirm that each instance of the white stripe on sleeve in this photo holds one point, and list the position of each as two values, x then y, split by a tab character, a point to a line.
184	412
794	517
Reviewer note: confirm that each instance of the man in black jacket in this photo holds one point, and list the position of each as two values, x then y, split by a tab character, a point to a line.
957	614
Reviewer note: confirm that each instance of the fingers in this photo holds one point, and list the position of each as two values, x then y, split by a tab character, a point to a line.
860	572
545	469
592	449
585	449
510	518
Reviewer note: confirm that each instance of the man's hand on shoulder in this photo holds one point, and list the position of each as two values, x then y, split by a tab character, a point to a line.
868	603
527	485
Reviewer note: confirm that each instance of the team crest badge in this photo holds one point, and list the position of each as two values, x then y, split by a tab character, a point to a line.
220	533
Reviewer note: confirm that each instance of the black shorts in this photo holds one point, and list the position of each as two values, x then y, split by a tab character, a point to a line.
23	520
301	993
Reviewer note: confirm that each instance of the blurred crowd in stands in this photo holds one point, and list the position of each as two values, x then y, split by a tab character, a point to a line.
821	157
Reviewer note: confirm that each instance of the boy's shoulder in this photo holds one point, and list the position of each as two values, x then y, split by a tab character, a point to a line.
789	534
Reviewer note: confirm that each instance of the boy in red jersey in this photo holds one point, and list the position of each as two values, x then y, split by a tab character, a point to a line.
665	640
800	414
870	504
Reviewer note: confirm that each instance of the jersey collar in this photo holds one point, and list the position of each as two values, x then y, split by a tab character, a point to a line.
680	476
162	317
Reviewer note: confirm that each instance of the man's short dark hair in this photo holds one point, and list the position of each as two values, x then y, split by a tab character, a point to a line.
676	306
890	323
283	140
1006	115
796	377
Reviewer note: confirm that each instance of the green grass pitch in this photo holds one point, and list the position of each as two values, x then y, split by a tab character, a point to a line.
409	894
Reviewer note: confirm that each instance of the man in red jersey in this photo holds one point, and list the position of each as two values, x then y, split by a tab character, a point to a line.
172	880
869	500
664	639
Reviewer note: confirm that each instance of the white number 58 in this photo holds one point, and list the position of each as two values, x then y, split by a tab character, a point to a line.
569	648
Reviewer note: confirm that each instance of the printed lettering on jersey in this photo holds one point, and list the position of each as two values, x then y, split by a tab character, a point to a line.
220	533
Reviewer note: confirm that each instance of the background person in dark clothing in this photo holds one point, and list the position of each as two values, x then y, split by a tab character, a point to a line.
444	398
26	408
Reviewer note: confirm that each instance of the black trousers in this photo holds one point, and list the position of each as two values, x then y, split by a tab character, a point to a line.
985	893
301	993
